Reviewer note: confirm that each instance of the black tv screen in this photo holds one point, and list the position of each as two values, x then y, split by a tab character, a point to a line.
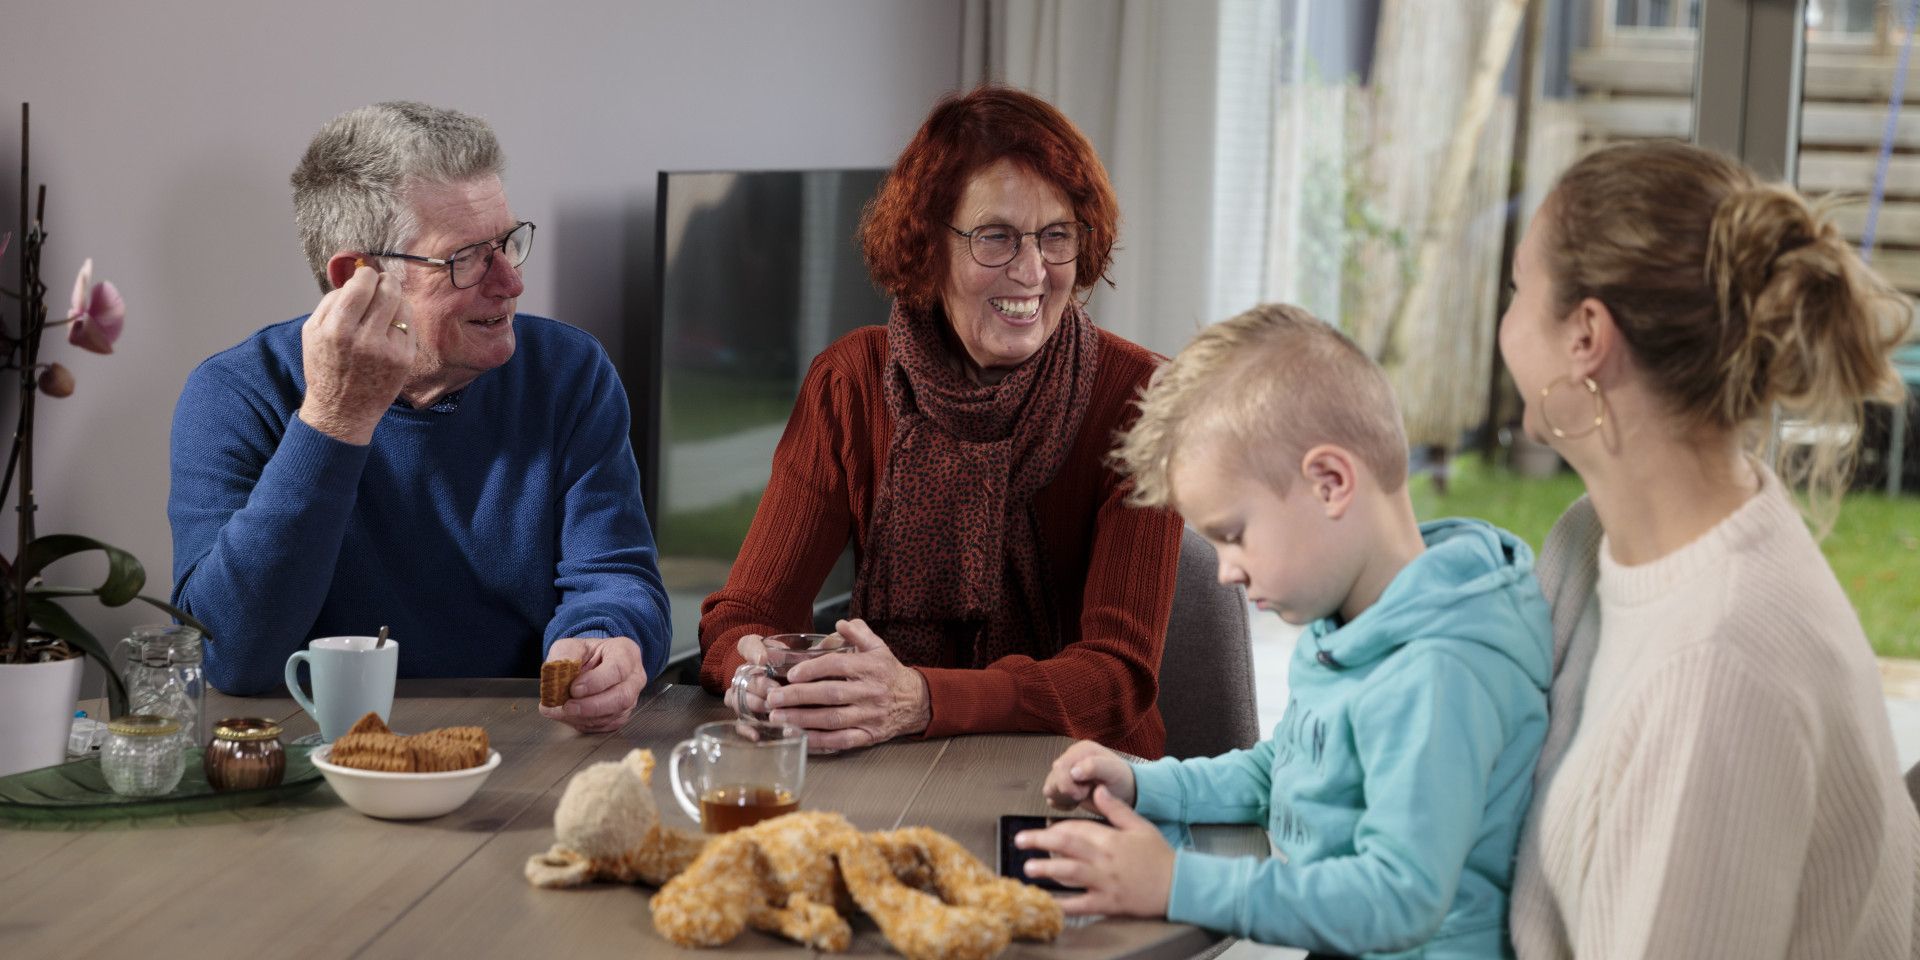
758	272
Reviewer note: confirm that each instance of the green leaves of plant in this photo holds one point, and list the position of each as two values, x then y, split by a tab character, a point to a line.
125	578
57	621
125	575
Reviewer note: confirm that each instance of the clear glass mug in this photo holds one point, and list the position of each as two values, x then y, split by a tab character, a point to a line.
753	681
734	774
165	679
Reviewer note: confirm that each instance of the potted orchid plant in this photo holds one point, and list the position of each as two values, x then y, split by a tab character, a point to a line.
42	644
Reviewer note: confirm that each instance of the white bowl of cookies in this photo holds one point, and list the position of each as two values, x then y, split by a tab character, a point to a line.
393	777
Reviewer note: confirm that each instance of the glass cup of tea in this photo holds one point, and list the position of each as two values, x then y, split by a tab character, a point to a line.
753	681
734	773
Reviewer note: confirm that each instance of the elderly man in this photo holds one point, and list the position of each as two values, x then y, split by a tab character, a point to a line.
413	452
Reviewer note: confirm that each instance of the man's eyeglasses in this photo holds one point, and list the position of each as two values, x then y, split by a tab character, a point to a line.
996	244
468	265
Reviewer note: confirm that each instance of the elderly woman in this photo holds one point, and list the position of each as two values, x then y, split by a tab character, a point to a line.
1719	779
1002	583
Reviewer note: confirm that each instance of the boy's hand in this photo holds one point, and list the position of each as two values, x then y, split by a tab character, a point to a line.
1080	769
1126	869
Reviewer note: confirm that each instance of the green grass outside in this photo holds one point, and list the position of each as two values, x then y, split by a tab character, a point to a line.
702	405
1874	547
713	532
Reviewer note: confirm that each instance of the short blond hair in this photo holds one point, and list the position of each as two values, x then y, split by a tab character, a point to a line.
1272	383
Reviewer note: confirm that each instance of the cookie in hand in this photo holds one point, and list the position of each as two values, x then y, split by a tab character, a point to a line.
556	681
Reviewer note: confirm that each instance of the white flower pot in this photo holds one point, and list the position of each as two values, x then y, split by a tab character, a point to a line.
36	712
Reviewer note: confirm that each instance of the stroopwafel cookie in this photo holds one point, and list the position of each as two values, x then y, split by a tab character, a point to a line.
371	723
385	752
556	681
452	748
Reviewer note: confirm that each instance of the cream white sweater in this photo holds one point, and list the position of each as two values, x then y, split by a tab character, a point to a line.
1719	777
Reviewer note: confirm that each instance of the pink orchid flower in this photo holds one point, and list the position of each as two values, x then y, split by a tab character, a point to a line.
97	313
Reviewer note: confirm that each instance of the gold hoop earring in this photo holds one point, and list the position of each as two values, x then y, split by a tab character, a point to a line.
1599	407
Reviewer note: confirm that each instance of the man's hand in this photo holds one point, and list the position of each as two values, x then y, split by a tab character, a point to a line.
853	699
611	678
355	351
1080	769
1126	869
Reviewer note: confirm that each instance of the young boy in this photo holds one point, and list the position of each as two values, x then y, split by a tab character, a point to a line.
1394	787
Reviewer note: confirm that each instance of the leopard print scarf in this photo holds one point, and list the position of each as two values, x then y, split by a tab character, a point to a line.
952	574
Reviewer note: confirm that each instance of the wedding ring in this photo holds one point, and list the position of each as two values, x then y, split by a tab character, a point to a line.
400	325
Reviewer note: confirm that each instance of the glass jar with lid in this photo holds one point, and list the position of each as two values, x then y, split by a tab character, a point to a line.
165	679
143	756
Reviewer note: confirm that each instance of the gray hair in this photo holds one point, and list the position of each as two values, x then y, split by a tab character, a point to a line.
350	191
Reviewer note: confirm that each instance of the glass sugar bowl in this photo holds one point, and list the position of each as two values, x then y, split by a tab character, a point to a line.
244	754
143	756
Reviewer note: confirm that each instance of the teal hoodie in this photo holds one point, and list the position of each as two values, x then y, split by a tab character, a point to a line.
1394	786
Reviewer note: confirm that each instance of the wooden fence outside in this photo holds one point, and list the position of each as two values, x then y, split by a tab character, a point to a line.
1637	84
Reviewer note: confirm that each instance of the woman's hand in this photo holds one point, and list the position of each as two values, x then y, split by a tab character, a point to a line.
753	648
1126	869
853	699
1080	769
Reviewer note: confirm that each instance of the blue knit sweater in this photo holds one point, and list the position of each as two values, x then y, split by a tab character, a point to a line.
480	530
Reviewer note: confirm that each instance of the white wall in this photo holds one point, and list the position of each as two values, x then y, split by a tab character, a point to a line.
165	133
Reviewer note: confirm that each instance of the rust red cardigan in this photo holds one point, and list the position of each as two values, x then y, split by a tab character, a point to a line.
1113	563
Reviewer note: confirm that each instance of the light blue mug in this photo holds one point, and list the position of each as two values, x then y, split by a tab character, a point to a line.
352	677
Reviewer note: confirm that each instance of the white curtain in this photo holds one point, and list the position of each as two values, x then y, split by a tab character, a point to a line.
1225	146
1351	176
1303	237
1281	150
1140	78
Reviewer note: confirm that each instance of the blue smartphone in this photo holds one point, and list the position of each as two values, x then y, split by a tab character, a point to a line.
1013	859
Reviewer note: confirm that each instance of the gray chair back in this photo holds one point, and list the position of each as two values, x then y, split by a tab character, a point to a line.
1206	670
831	610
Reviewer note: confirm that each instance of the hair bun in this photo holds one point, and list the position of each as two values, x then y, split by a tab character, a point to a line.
1732	294
1771	257
1756	231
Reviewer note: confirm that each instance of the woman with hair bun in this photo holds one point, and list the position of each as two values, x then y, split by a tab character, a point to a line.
1719	777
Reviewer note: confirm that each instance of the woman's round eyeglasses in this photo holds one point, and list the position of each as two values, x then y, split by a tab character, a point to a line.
996	244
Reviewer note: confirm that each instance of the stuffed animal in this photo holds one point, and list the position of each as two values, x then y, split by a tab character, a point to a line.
797	876
607	828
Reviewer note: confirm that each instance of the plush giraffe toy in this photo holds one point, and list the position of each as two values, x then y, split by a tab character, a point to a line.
796	876
799	874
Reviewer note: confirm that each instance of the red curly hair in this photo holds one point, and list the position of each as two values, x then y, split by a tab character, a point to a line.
904	230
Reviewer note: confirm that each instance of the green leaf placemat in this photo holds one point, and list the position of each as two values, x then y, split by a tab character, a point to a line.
79	791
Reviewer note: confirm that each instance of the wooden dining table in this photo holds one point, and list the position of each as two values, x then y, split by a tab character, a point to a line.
309	877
